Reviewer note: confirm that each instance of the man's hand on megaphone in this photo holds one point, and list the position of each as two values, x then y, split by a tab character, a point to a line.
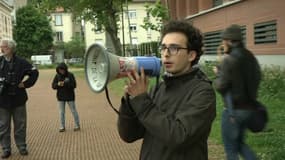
137	84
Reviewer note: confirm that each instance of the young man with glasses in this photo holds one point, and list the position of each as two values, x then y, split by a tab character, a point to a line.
174	119
13	97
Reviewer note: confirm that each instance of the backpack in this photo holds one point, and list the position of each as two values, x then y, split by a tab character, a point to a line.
259	118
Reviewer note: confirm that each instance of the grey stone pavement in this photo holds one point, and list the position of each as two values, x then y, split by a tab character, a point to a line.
98	138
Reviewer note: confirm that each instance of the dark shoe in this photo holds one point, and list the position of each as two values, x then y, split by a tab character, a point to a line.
61	129
24	152
6	154
76	129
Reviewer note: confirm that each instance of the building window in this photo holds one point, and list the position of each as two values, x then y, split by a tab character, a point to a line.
58	20
59	36
135	40
98	29
77	34
265	32
6	24
132	14
148	33
213	39
211	42
243	32
217	2
133	27
99	41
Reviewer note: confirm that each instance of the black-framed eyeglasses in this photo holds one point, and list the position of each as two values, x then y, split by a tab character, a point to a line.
172	50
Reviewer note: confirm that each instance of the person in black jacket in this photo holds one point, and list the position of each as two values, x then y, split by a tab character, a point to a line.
238	79
64	82
13	97
174	119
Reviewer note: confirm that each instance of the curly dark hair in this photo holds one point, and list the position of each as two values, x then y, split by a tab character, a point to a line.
193	34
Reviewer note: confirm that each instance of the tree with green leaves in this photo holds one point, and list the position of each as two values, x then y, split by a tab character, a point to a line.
102	13
32	32
41	5
159	13
75	48
105	15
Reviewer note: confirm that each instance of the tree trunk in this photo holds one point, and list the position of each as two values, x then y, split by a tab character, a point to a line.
113	43
112	32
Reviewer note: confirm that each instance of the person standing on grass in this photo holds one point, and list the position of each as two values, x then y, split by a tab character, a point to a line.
64	82
237	81
13	97
174	119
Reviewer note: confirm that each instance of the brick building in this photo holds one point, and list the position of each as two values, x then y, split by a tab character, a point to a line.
262	22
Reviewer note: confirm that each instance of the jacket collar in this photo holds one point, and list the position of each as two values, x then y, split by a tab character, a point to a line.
170	80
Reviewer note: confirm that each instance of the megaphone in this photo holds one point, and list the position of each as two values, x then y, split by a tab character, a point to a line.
102	67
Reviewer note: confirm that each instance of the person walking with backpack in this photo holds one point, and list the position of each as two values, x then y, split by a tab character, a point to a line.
238	79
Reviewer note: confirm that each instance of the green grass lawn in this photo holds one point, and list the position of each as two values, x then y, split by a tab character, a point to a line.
270	144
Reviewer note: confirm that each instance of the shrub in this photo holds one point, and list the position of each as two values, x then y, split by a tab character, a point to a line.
273	83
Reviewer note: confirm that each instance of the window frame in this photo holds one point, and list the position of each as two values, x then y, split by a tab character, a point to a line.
132	14
58	20
265	32
133	27
59	36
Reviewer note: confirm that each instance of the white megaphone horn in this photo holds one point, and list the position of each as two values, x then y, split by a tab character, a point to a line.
102	67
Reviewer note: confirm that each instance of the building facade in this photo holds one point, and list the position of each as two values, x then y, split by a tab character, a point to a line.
262	22
6	31
130	30
64	27
16	5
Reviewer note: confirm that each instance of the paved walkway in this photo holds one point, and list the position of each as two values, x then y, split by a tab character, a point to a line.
98	138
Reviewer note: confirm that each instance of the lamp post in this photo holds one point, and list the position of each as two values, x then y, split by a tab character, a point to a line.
123	28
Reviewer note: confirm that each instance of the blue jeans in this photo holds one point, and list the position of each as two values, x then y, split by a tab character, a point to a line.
19	116
233	132
73	110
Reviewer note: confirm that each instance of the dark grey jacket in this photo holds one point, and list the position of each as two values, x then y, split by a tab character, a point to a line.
175	122
14	72
240	75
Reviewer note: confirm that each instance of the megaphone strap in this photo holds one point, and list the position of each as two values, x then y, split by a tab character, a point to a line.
109	101
118	112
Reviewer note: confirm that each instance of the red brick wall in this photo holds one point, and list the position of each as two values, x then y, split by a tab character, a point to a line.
245	13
